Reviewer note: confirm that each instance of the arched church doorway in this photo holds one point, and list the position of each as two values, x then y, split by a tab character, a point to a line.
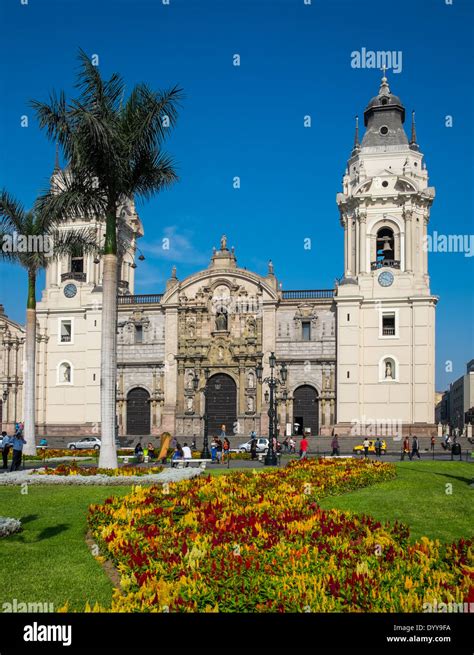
305	410
221	404
138	411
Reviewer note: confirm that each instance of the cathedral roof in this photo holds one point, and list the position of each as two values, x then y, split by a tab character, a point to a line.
384	117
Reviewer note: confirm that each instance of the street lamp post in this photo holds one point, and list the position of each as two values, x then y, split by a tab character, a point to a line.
273	382
205	447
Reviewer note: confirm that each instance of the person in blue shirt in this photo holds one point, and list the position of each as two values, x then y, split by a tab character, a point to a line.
177	455
17	444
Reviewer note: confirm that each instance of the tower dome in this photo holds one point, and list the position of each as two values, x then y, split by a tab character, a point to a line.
384	117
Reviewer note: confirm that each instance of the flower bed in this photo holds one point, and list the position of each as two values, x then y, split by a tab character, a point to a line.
259	542
74	469
9	526
197	455
52	453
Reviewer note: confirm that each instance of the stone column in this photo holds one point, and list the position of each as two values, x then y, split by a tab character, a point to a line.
241	390
357	247
349	247
323	412
425	249
180	399
362	244
408	242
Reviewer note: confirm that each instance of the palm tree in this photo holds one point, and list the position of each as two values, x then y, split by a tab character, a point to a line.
114	152
30	239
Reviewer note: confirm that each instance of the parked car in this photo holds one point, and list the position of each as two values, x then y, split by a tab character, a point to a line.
262	445
360	448
85	444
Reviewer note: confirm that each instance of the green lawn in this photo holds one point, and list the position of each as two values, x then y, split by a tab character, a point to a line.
420	498
50	562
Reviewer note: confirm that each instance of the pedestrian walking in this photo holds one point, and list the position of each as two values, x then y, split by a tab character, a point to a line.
366	444
405	448
253	447
292	445
17	444
335	446
303	448
433	441
214	450
378	447
415	448
219	447
6	445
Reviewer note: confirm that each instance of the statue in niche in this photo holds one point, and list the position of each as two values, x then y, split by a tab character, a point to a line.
220	353
250	403
250	380
189	380
388	370
66	370
221	320
328	381
190	404
251	327
191	329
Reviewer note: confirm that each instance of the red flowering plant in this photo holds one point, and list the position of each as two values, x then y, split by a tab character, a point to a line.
259	542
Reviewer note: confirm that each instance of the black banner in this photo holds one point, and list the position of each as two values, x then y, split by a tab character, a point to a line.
137	633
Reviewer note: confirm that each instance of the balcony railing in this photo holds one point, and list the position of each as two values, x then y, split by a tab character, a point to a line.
388	331
78	277
391	263
307	294
140	299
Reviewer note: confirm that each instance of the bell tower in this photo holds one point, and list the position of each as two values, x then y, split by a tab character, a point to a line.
385	309
70	322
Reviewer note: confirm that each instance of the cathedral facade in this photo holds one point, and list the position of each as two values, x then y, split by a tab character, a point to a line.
363	351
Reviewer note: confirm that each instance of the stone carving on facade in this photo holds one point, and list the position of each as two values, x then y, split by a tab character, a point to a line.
190	405
191	328
250	380
221	320
251	326
250	404
306	312
189	380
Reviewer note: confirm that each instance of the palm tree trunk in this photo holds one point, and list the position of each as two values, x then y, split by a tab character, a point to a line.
30	367
108	382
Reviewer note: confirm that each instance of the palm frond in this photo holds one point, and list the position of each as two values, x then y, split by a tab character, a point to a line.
152	173
12	212
66	242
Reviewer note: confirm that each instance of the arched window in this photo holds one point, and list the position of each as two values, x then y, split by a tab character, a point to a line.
385	245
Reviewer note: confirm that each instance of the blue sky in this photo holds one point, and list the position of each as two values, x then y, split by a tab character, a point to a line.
247	121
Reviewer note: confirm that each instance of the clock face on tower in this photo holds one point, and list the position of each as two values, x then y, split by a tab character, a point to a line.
70	290
385	279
